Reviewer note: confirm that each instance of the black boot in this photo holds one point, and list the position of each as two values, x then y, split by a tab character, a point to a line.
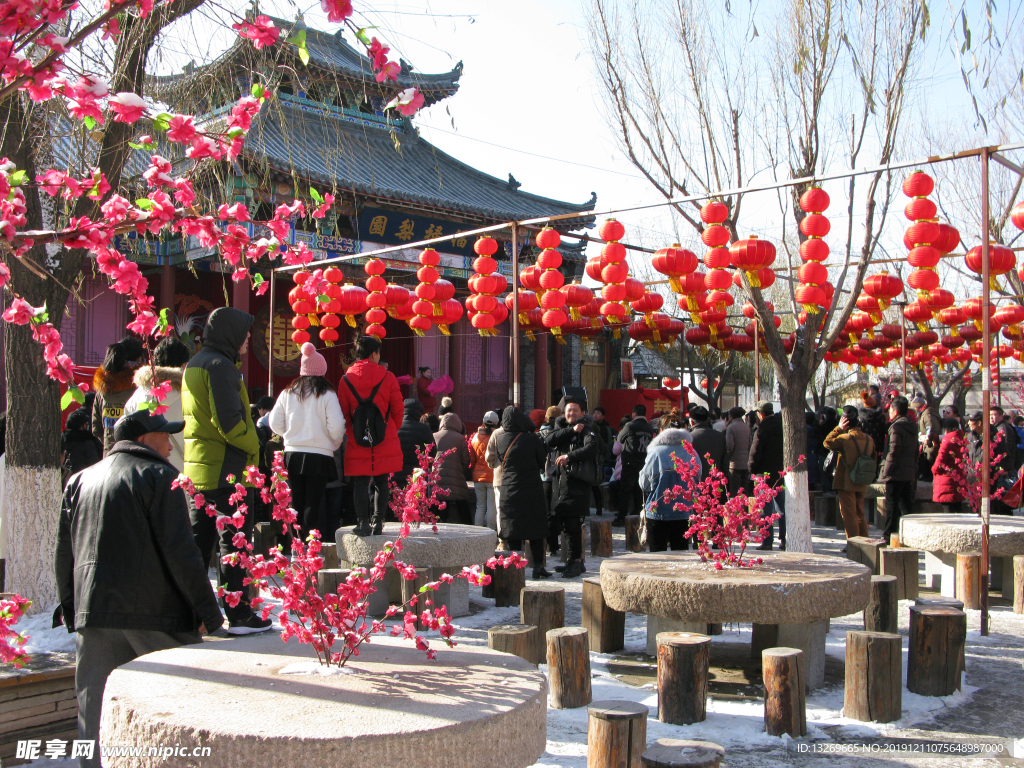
378	525
572	569
363	528
540	573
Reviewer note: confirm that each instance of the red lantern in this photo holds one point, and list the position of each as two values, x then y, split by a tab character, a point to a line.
451	311
918	184
611	230
1000	261
814	200
674	262
751	255
884	288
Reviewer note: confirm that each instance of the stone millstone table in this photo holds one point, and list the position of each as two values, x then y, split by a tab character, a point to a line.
447	551
943	537
789	598
395	708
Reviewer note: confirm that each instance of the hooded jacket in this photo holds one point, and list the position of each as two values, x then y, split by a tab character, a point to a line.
81	449
220	438
113	390
708	440
522	506
126	558
850	446
456	465
901	452
386	458
144	382
635	437
737	444
573	495
412	434
308	424
482	473
952	453
659	475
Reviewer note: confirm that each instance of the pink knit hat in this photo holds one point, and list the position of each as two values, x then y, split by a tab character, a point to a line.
313	363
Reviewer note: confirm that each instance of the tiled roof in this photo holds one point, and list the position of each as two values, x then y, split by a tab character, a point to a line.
647	362
326	146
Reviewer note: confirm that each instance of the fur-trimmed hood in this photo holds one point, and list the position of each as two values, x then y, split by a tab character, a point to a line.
108	383
144	376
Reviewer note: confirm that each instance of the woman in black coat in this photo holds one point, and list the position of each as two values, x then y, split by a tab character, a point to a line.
522	511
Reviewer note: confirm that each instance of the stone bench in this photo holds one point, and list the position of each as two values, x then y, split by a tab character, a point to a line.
790	597
37	701
942	537
449	550
393	706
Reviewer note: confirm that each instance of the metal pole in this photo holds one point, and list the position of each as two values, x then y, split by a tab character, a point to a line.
515	319
903	348
757	360
270	338
986	390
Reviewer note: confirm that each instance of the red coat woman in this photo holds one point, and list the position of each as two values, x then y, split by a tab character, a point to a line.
385	458
947	472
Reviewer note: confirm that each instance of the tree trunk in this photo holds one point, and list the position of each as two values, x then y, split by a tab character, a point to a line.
794	425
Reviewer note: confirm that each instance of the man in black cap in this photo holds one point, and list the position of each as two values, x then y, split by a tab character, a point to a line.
129	574
767	458
708	442
635	437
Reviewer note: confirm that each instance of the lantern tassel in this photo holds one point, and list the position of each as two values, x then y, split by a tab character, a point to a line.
755	281
329	343
616	334
675	285
444	329
657	334
530	336
437	310
560	339
417	331
523	319
574	313
313	319
350	319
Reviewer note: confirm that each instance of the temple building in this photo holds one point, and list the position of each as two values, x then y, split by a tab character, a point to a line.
326	127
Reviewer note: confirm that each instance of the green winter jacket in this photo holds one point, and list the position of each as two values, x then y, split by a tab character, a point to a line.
220	438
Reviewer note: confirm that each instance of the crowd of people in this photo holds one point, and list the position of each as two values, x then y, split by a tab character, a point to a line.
134	550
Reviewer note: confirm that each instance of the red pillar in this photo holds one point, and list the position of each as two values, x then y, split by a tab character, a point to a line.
240	300
167	287
455	371
541	390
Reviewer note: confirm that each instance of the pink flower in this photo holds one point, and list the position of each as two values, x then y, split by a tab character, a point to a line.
51	182
378	53
184	194
128	107
336	10
115	209
243	112
389	71
21	312
159	172
407	102
261	31
180	129
322	210
5	274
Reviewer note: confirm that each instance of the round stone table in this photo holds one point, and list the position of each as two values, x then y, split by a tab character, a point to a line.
788	599
942	537
449	550
397	708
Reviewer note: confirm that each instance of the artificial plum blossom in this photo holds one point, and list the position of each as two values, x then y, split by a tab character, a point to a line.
12	608
389	71
378	53
21	312
243	112
337	10
202	146
236	212
128	107
115	209
159	172
180	129
407	102
261	31
51	182
184	193
322	209
97	185
5	274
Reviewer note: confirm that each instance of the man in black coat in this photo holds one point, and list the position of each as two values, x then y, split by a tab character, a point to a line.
1004	437
635	437
900	465
129	574
708	441
578	464
767	458
412	434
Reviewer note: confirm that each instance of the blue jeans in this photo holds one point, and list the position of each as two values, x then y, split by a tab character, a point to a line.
770	509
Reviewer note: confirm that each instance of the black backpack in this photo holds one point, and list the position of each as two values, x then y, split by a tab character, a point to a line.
369	426
634	448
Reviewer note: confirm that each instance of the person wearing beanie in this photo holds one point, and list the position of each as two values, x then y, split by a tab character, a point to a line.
483	475
308	418
538	417
447	406
414	435
79	447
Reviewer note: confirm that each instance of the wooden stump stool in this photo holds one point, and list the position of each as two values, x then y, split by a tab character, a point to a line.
683	677
968	579
937	635
616	734
543	606
826	510
264	540
633	534
568	660
683	753
518	639
328	579
882	612
412	587
605	626
905	565
863	550
487	591
874	677
508	584
601	538
329	552
1018	583
785	702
